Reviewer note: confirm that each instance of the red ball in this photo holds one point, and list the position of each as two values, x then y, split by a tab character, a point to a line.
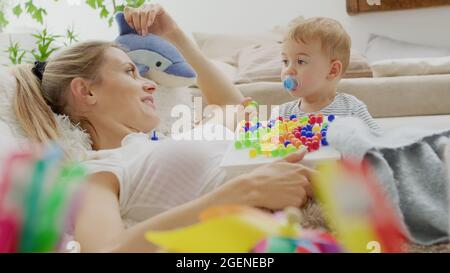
319	120
298	135
312	120
280	118
303	139
247	124
315	145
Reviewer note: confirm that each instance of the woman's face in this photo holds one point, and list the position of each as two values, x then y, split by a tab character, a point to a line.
124	95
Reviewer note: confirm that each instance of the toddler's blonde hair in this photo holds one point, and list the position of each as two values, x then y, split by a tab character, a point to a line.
336	42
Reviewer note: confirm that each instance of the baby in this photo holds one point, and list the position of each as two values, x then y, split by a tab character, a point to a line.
315	55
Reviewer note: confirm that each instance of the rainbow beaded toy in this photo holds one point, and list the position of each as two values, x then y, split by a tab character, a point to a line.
278	138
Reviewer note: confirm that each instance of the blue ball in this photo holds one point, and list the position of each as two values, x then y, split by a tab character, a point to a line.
246	129
287	143
324	133
304	133
309	135
331	118
324	142
292	117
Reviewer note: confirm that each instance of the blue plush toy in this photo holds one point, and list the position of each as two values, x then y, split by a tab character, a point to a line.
156	58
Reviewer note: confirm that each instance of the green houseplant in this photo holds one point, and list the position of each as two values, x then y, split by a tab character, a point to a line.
46	43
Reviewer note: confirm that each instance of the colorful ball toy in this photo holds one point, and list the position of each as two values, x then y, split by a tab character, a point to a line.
280	137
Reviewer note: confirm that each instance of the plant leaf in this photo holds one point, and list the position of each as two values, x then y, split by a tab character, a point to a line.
17	10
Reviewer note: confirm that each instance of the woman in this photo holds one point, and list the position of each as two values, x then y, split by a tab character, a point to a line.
97	85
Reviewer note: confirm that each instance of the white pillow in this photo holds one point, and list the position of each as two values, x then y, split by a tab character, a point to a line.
411	67
383	48
75	141
8	142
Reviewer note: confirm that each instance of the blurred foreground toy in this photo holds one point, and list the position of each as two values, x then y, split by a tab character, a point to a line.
38	196
244	229
357	208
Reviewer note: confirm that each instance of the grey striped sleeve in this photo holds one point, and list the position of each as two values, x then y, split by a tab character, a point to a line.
362	113
344	105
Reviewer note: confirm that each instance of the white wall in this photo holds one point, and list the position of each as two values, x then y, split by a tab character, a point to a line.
424	26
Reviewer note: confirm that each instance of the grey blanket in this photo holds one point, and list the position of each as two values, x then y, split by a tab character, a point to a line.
410	166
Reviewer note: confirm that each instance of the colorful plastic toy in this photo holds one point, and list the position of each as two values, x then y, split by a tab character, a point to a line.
154	136
244	229
36	208
357	209
277	138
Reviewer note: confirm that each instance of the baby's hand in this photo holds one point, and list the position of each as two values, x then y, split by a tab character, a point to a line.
250	108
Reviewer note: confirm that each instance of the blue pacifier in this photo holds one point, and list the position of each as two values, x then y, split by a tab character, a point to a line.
290	84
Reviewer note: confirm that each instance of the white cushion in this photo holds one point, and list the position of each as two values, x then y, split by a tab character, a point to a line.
411	67
383	48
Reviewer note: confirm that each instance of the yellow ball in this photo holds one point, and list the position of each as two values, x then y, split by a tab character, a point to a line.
316	128
253	153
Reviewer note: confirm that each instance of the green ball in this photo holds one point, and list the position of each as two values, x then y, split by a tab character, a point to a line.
247	143
275	153
257	146
283	152
238	145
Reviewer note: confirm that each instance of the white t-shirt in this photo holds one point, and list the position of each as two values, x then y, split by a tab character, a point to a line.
155	176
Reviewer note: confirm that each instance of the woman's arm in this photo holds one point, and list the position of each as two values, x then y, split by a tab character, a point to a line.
216	88
99	226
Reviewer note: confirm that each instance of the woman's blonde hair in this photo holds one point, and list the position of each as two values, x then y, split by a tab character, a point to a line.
37	100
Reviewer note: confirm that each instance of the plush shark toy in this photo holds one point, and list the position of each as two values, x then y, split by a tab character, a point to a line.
156	58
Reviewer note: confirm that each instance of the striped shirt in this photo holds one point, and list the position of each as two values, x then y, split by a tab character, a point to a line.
343	105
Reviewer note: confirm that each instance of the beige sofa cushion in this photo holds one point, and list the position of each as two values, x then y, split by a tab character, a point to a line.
410	67
224	46
384	97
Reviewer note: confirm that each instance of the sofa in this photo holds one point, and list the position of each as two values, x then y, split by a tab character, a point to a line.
409	100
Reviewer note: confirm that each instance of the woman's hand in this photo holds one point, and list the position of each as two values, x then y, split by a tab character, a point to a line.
277	185
151	18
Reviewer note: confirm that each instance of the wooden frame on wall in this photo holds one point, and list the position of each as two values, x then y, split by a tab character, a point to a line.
361	6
